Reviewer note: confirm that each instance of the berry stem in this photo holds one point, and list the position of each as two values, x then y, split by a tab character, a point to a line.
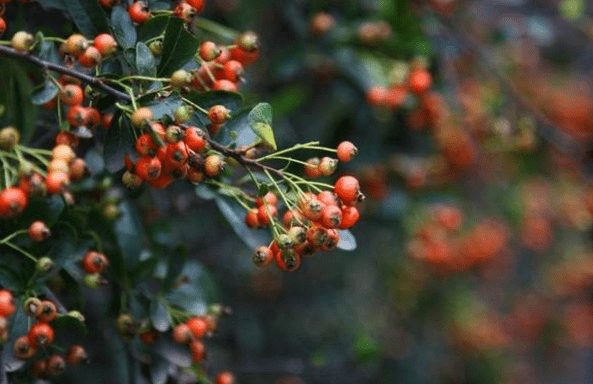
19	249
196	106
146	78
12	235
280	192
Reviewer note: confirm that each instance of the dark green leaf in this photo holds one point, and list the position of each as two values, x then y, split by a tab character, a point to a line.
119	142
123	27
204	192
159	316
44	93
239	124
145	62
16	92
129	234
9	279
235	215
152	28
179	47
176	261
144	269
47	209
49	52
159	371
166	106
88	15
63	245
172	352
347	240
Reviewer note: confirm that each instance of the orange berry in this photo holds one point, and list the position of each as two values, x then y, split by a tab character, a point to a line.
94	262
23	348
141	117
251	218
198	350
76	354
48	313
13	201
182	334
198	326
139	12
71	94
41	335
346	151
7	306
105	43
38	231
56	182
263	256
347	189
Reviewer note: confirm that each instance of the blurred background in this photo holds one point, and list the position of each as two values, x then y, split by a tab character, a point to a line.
473	121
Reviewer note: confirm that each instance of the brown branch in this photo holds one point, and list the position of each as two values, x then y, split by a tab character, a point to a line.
244	161
92	80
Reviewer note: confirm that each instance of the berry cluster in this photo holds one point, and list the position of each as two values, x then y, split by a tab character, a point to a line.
175	152
41	336
438	243
310	222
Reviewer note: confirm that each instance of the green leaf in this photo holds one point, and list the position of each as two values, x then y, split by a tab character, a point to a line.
260	120
49	52
144	269
63	245
46	92
152	28
162	107
145	62
16	92
238	123
88	15
46	209
235	215
129	234
179	46
159	371
159	316
119	142
172	352
123	27
176	261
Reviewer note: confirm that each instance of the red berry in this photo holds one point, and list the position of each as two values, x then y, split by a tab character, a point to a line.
269	198
420	80
182	334
184	12
77	116
67	138
23	348
197	4
346	151
209	51
350	216
328	198
312	168
312	209
347	189
148	168
94	262
41	335
13	201
90	57
145	145
71	94
39	369
265	214
38	231
225	378
263	256
218	114
251	218
288	260
233	71
105	43
56	365
198	350
2	26
198	326
48	312
76	355
224	85
195	139
7	307
331	216
177	154
56	182
139	12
